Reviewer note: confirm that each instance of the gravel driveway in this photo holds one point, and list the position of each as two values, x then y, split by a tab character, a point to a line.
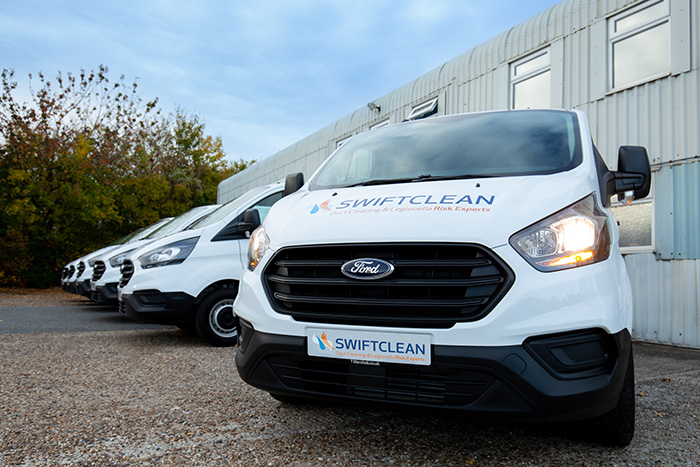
155	396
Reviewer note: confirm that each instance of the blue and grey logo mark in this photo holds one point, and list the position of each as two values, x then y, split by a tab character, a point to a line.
367	269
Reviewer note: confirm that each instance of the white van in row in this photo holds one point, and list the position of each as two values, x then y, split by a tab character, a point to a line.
467	263
106	271
190	278
77	275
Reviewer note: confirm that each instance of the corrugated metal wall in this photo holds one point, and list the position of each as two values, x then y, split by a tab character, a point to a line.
666	299
662	115
678	211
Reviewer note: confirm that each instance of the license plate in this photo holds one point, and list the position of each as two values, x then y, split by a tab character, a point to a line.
388	347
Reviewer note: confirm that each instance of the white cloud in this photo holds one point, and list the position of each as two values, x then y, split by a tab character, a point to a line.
263	73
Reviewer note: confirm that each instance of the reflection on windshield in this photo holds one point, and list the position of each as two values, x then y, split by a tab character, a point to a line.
177	223
473	145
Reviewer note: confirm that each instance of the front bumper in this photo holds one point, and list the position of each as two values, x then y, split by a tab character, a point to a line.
568	376
83	288
105	293
153	306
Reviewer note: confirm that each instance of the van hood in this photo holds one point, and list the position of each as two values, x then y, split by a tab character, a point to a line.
484	211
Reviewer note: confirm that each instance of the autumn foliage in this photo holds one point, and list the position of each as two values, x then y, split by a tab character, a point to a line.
85	161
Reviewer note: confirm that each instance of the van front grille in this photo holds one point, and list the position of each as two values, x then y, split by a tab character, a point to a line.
127	271
98	270
433	285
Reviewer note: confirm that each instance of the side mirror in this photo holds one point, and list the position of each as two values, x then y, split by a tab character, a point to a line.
252	219
632	180
237	230
292	183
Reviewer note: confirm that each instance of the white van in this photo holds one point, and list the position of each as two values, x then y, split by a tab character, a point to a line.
79	281
106	271
467	263
190	278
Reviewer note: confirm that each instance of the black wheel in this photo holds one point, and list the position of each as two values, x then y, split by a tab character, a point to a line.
215	320
616	428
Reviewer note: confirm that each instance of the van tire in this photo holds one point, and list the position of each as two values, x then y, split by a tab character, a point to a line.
616	428
215	320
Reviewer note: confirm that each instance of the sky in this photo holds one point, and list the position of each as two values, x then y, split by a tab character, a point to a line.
260	74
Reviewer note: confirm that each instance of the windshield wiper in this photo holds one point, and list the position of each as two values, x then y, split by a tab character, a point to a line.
451	177
383	181
420	178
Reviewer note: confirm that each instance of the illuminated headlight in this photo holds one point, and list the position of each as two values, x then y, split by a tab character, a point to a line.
117	260
258	245
174	253
575	236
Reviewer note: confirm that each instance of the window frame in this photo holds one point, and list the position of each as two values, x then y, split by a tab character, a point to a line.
382	124
530	74
424	110
614	37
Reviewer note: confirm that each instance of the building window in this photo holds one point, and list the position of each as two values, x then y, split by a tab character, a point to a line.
639	44
636	224
426	109
530	81
381	124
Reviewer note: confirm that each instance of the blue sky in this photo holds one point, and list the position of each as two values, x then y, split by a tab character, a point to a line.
261	74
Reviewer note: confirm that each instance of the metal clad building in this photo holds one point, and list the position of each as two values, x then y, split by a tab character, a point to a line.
633	66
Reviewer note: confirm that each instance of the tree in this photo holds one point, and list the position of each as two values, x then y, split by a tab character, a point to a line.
86	161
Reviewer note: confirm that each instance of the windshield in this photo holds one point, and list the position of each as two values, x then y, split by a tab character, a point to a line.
128	237
143	233
179	223
491	144
233	206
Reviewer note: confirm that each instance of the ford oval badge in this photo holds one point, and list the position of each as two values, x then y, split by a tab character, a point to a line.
367	269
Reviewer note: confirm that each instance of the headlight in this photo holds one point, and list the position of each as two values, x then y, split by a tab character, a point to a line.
117	260
575	236
257	246
174	253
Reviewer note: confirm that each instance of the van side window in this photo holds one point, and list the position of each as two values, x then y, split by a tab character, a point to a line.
232	230
263	206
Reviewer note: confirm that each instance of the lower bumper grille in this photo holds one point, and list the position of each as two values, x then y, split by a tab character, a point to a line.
453	388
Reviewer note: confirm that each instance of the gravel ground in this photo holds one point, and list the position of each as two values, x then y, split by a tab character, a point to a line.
160	398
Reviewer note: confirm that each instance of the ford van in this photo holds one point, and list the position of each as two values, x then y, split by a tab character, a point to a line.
106	271
190	279
78	281
467	263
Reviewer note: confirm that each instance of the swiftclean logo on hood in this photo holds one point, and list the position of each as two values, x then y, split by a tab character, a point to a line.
408	203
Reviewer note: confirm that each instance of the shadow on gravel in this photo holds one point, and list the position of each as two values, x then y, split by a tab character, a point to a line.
167	337
452	427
